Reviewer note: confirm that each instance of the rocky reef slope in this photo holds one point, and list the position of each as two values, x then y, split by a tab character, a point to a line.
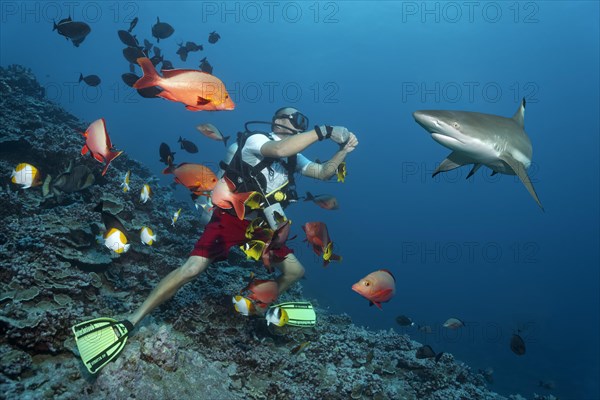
54	274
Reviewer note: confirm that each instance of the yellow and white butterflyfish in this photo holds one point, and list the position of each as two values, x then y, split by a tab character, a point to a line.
253	249
243	305
175	217
116	241
341	172
277	316
147	236
125	184
145	193
26	175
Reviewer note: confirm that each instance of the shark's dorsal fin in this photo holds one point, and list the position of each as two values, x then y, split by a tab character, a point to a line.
519	116
520	171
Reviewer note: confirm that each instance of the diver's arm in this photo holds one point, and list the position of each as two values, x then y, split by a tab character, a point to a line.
326	170
289	146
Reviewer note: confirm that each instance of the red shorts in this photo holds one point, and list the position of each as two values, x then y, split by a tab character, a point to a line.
223	231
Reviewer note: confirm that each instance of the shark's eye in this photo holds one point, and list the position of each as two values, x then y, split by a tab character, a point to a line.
456	125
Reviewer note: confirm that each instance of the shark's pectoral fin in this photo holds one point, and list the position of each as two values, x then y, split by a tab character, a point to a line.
520	171
473	170
454	160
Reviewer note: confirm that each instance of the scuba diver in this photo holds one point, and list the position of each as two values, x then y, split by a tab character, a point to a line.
258	162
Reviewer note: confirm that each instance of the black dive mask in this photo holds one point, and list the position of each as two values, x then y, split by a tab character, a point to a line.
297	119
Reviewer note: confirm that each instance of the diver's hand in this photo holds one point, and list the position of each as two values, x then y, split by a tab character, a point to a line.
350	145
338	134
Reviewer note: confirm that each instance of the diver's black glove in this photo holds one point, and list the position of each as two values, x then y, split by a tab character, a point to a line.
338	134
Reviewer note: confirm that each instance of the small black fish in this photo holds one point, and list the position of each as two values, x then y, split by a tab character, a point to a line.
150	92
550	385
147	46
213	37
403	320
205	66
156	51
91	80
130	79
166	155
425	352
131	68
187	145
76	31
167	65
131	54
155	60
132	24
161	30
72	180
182	52
75	179
517	344
191	46
128	39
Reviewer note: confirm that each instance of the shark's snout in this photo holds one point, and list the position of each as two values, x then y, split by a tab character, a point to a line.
425	119
419	116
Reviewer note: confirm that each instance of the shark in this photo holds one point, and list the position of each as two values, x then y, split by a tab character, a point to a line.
499	143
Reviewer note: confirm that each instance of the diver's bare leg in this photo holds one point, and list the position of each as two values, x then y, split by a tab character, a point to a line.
292	272
169	285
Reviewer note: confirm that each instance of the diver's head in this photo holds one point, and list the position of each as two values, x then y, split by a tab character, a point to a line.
289	121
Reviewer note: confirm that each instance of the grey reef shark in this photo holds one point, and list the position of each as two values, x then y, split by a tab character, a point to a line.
499	143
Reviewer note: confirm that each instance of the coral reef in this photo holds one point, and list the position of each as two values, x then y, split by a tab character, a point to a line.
54	274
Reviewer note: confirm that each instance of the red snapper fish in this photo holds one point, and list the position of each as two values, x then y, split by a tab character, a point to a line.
225	197
98	143
325	201
212	132
196	177
263	292
280	236
318	236
198	90
377	287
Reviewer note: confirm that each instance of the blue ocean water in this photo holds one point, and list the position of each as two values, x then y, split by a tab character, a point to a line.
480	250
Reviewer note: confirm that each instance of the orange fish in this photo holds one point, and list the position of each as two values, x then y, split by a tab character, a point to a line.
377	287
318	236
198	90
225	197
263	292
211	131
196	177
98	143
280	236
325	201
